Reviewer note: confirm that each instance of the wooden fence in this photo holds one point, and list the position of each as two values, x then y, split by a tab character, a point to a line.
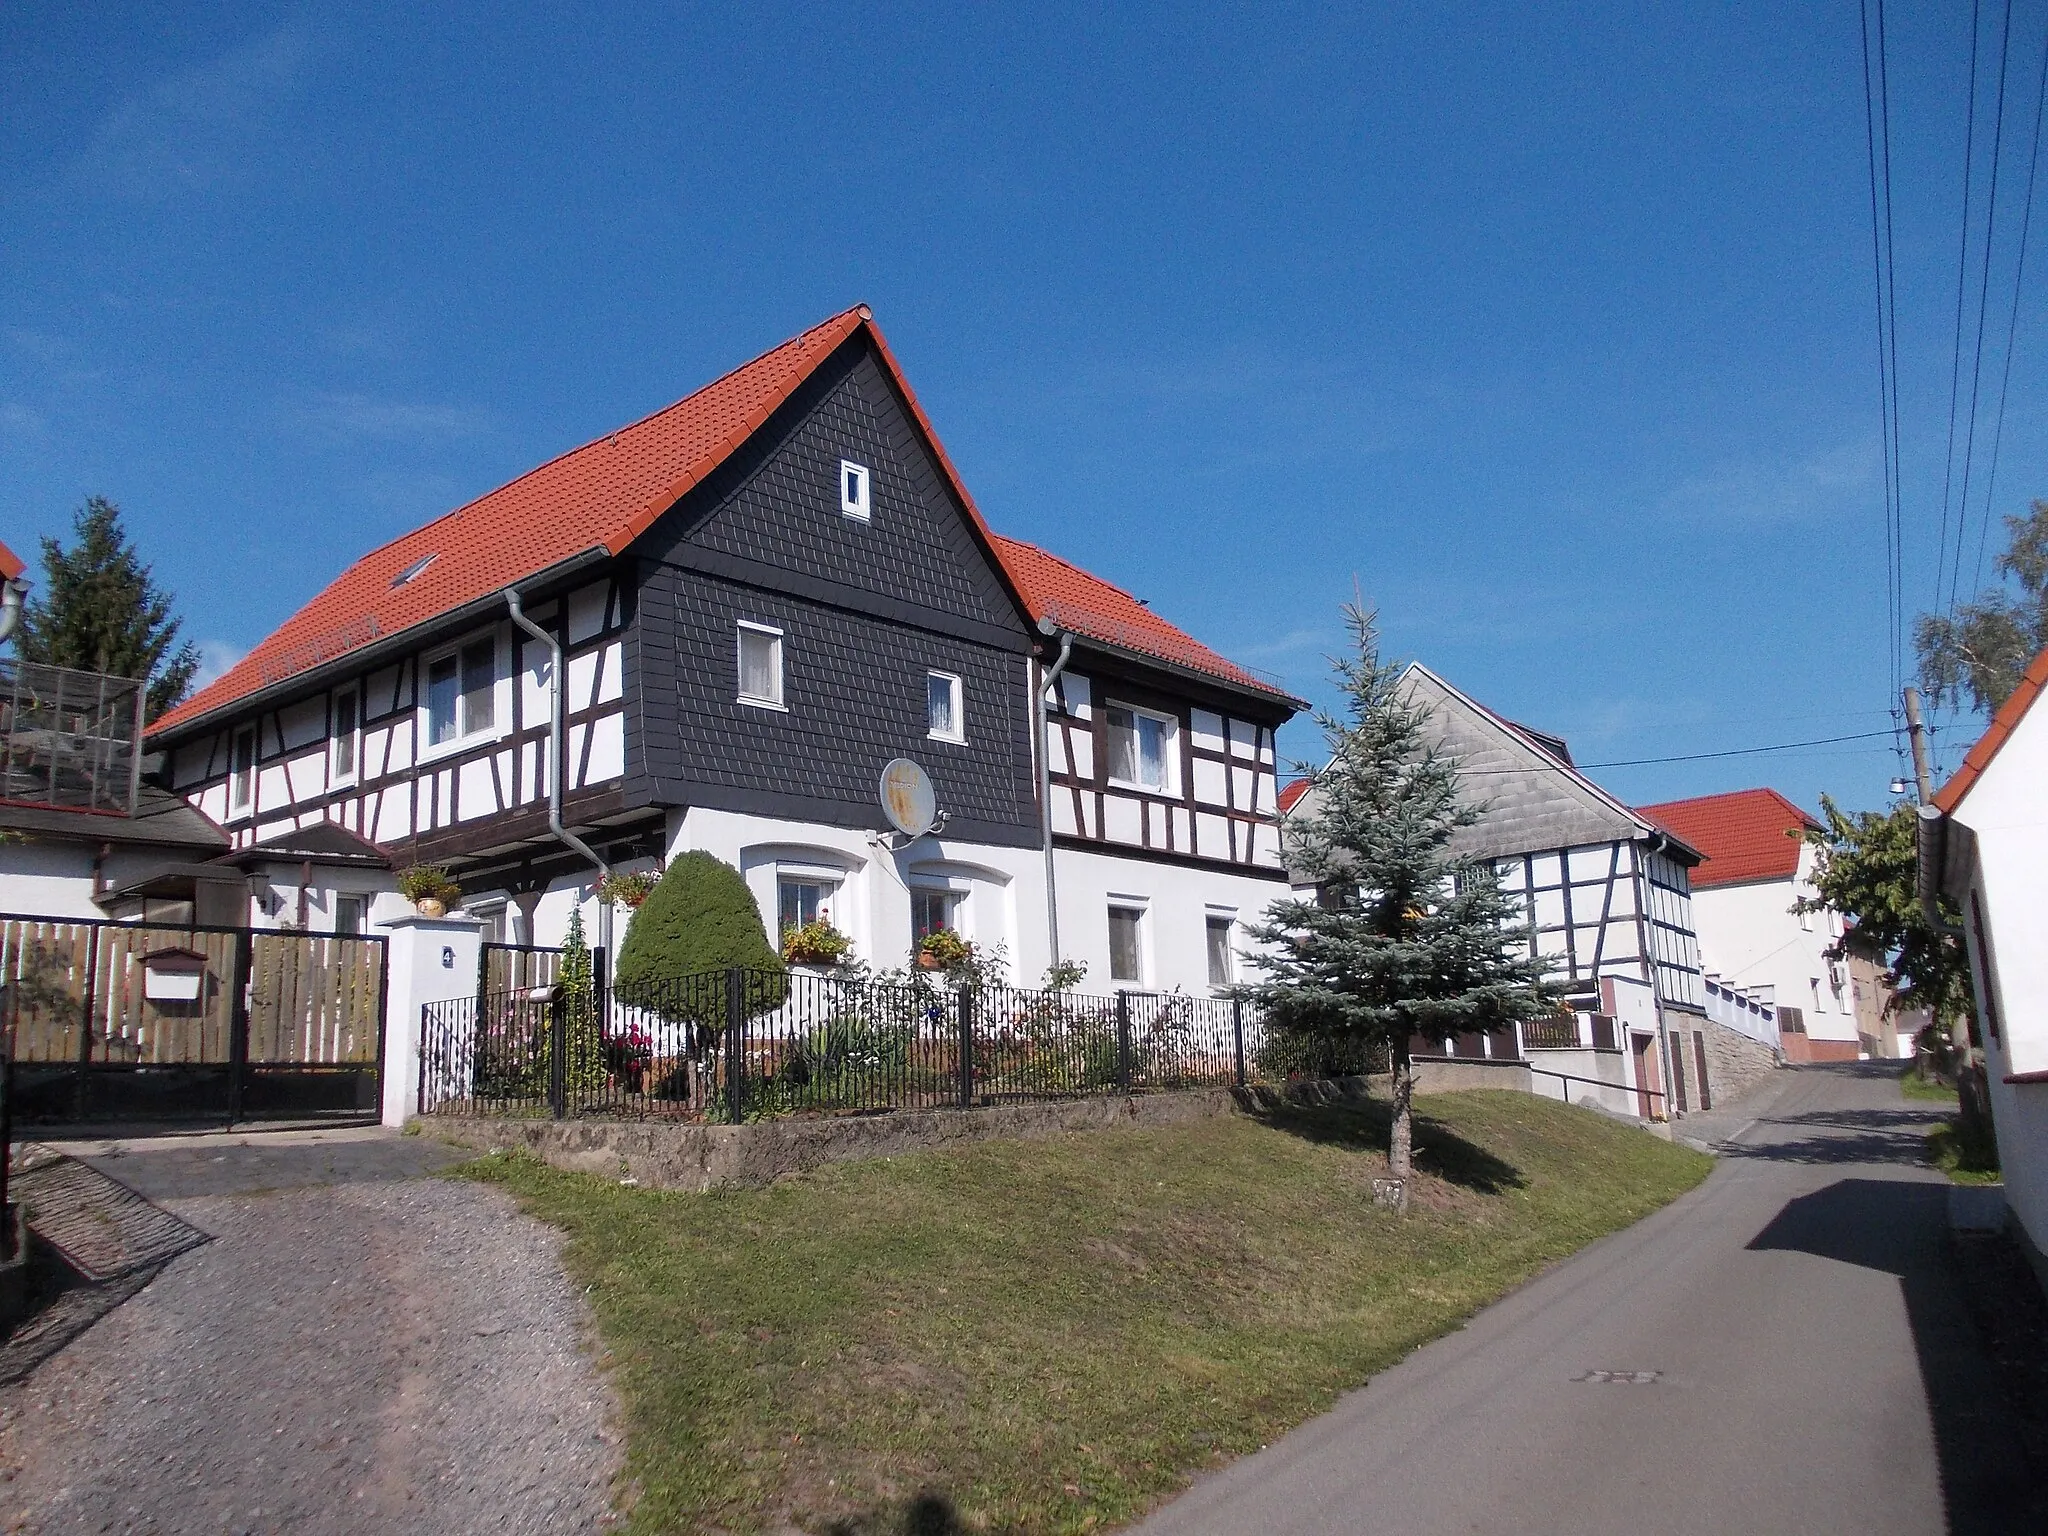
99	997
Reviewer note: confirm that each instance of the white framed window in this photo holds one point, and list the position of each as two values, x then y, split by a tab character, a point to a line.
945	717
1126	943
853	490
343	744
1222	942
461	693
933	908
242	771
760	664
801	900
1143	749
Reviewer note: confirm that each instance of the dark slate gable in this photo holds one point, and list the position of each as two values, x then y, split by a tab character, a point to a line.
855	691
775	504
865	609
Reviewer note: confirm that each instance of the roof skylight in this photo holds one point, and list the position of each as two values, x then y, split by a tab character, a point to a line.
412	570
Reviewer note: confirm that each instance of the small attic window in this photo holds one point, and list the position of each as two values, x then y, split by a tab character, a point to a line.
853	489
412	570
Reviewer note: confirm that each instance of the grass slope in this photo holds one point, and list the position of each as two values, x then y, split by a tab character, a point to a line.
1053	1335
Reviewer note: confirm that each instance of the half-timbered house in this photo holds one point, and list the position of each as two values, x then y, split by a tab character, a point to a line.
752	601
1603	894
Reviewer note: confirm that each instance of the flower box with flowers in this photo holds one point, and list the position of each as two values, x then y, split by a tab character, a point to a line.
817	946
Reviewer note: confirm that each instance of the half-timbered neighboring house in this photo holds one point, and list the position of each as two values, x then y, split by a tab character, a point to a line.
1603	893
759	597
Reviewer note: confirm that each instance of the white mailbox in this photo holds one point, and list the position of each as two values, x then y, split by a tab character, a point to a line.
173	976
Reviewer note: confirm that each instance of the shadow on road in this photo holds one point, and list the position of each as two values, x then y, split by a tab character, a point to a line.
1364	1127
1840	1136
1901	1229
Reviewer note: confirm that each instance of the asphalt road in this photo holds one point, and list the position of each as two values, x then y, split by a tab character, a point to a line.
1816	1370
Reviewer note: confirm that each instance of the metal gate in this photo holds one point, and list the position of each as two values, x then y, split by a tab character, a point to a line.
143	1021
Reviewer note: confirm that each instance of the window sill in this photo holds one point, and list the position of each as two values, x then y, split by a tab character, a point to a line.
460	745
951	741
780	709
1157	792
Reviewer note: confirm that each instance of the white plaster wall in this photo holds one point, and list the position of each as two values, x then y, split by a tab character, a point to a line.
47	878
1004	887
2020	1113
1177	900
1608	1072
1750	937
53	877
2008	811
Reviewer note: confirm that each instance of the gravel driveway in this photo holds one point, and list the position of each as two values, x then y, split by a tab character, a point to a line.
368	1350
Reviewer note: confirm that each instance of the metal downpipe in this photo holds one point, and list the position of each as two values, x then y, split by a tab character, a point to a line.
1052	905
557	762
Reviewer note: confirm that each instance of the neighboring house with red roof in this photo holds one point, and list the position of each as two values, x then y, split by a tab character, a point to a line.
764	594
1984	844
1757	866
1603	892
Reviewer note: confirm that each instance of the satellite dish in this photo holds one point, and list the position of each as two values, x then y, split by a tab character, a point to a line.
908	799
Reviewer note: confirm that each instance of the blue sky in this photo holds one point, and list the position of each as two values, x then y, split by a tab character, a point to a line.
1551	327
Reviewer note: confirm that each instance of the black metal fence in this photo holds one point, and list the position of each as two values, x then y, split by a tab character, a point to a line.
741	1044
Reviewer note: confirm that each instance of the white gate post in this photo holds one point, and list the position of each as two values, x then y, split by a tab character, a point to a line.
432	960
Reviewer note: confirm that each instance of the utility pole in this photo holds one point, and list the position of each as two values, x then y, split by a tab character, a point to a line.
1924	781
1918	733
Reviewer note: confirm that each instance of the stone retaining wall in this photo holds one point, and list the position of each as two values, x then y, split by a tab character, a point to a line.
1736	1064
698	1157
668	1155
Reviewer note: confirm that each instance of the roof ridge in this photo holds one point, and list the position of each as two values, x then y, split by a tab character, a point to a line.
1721	795
616	433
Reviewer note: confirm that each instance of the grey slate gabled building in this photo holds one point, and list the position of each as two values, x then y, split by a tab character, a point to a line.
1603	892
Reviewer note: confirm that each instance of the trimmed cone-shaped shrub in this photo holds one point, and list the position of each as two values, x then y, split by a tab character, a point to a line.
699	919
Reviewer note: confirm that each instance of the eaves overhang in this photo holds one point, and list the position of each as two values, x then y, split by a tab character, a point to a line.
381	649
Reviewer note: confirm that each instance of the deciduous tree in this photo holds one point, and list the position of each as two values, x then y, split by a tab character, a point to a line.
1866	868
1979	653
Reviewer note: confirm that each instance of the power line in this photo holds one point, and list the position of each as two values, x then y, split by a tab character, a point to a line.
1700	757
1983	305
1955	369
1876	104
1891	264
2012	323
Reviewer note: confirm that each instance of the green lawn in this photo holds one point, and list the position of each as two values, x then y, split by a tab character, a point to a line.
1966	1159
1056	1335
1911	1085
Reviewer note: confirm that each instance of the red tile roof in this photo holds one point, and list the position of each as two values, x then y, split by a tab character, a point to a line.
602	496
1056	589
1750	834
597	497
1292	791
2032	685
10	564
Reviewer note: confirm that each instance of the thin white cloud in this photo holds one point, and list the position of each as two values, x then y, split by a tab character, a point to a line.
356	416
194	129
1293	643
1790	490
215	659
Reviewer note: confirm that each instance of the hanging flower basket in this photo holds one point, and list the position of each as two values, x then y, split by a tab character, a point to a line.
627	890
